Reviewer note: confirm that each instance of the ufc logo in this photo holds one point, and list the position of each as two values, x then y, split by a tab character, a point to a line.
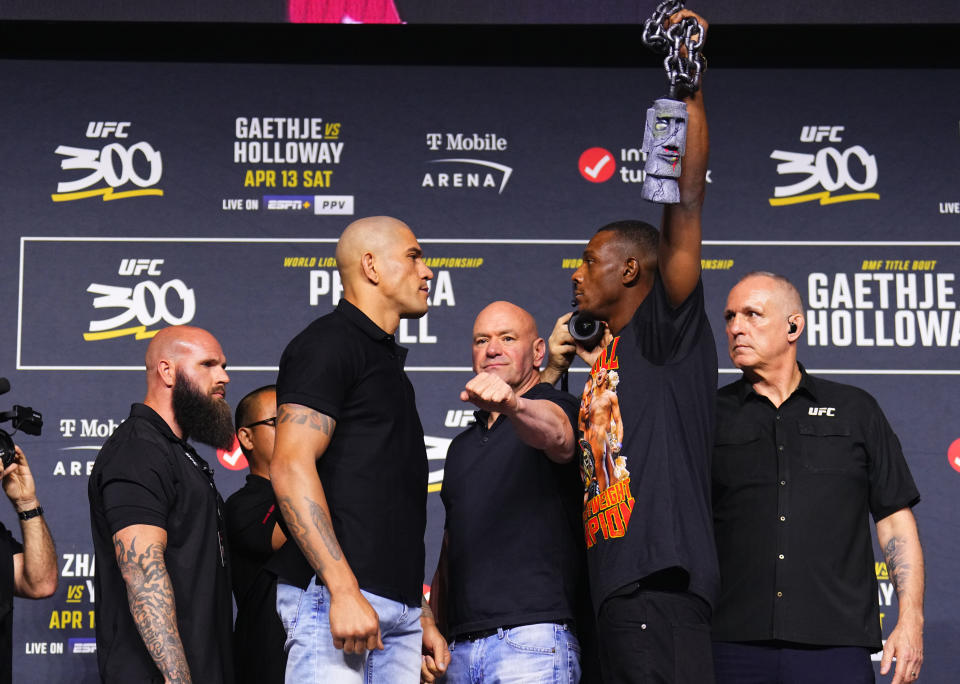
818	133
822	411
104	129
138	266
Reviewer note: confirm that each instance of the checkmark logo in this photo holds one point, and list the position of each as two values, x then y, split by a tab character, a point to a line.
953	455
597	165
232	459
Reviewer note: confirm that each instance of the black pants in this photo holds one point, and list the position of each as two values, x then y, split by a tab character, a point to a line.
660	637
761	663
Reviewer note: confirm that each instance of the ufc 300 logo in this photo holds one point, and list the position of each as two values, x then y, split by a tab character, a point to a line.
829	169
111	167
147	302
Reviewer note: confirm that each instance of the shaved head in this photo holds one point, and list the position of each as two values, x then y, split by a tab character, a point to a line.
382	270
372	235
506	312
173	342
506	344
782	289
186	384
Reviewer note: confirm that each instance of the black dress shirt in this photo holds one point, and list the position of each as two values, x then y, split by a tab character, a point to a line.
792	489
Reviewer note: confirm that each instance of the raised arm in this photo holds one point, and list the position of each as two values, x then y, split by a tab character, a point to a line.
680	234
139	550
900	541
539	423
34	570
303	436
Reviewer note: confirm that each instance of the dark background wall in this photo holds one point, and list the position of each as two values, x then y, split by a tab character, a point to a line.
871	240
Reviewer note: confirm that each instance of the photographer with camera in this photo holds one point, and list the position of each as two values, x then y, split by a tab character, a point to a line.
27	570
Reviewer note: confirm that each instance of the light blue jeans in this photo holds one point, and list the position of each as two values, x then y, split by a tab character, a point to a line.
530	654
312	657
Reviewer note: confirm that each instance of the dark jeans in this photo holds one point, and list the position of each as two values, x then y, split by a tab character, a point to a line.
648	636
785	663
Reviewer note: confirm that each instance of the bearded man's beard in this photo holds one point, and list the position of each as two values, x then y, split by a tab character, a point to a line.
202	417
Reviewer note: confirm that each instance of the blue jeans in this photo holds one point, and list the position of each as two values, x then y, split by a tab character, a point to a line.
312	657
542	653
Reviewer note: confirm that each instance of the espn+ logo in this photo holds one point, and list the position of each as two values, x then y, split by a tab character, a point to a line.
110	168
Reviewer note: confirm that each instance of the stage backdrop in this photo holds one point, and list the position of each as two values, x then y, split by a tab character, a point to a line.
135	196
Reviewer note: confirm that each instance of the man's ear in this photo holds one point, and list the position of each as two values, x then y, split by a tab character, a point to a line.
796	324
539	351
631	271
167	371
244	437
368	264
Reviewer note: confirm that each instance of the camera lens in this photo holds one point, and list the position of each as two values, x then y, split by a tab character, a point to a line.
585	330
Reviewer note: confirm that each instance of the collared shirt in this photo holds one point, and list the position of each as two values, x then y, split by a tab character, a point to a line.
792	490
374	471
146	475
514	550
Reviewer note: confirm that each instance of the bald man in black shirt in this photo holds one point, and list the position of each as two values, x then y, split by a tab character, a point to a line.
799	463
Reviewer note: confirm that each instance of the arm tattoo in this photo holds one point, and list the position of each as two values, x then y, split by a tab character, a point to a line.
151	601
300	533
898	568
304	416
321	521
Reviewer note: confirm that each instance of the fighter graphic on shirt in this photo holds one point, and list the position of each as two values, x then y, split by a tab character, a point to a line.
601	463
607	500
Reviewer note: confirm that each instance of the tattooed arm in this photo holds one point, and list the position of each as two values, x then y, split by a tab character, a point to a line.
139	550
303	436
900	541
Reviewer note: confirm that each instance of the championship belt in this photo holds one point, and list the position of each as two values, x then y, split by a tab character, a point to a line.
665	130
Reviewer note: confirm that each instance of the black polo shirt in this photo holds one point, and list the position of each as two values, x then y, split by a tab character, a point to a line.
514	549
374	471
657	517
251	514
9	547
146	475
792	489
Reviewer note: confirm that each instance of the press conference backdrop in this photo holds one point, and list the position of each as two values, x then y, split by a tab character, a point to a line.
138	195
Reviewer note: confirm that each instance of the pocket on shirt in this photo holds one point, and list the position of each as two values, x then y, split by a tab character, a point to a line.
826	446
738	454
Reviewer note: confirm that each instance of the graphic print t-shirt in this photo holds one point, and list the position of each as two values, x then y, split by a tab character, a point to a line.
647	416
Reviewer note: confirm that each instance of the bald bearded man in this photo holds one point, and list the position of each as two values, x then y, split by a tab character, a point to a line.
163	610
350	473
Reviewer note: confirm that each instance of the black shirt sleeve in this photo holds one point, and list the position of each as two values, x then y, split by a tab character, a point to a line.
666	333
316	371
891	484
137	490
250	521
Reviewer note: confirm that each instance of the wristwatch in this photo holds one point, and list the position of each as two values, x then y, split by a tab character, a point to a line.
32	513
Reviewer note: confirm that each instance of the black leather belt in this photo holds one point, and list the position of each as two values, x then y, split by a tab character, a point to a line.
484	633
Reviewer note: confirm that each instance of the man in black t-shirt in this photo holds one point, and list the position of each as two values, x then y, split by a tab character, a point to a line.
799	464
649	535
27	570
253	529
350	473
163	610
511	557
